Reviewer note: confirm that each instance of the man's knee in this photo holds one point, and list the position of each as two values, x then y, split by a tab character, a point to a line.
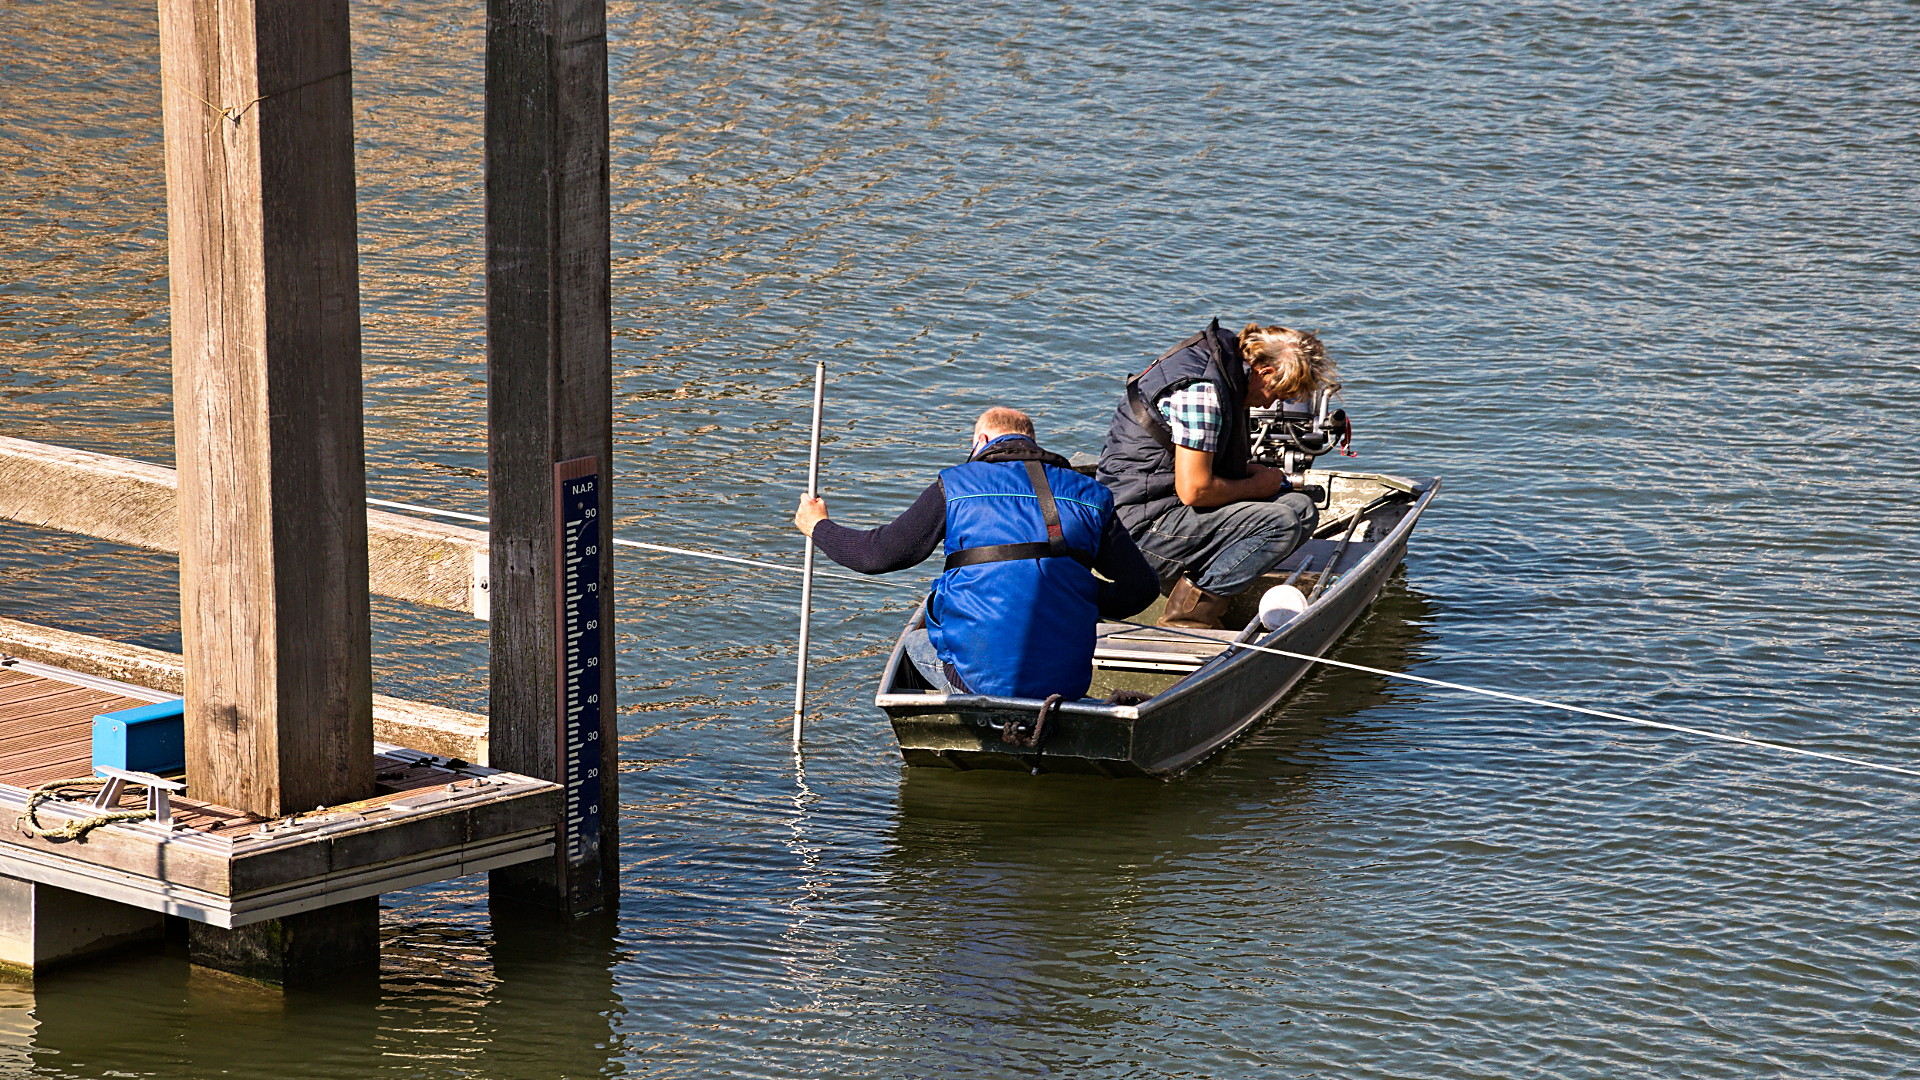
1292	512
1302	505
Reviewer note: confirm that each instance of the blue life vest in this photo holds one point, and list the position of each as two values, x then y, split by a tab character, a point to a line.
1019	627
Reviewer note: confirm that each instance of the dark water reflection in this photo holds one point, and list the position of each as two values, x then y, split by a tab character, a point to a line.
517	1002
1058	893
1639	282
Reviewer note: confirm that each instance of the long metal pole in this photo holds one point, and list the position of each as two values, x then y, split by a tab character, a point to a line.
806	565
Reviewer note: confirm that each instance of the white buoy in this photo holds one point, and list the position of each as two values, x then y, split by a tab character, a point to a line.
1280	605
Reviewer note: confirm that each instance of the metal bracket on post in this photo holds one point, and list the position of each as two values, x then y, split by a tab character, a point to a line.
480	593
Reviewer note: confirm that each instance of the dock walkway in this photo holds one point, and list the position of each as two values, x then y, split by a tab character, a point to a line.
430	818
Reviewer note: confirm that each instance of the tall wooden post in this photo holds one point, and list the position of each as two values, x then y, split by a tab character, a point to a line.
266	362
550	438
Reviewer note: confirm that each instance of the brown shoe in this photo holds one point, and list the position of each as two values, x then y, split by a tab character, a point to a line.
1189	607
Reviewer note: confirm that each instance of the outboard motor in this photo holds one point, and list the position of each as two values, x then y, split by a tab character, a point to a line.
1289	435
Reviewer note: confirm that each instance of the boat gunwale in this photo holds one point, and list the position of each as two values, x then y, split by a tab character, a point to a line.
1218	669
1215	667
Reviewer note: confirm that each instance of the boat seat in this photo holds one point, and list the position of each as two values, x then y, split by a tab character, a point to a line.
1124	647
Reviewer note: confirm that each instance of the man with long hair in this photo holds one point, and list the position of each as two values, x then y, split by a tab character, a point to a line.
1178	461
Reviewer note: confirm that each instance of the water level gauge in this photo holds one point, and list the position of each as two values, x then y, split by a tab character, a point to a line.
577	490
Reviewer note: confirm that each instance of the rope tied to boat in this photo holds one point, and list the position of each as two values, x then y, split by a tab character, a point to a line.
77	828
1015	733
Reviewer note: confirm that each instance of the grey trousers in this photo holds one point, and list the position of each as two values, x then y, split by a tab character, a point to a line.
926	658
1224	548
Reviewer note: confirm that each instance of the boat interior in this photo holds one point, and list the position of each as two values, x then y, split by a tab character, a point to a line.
1142	660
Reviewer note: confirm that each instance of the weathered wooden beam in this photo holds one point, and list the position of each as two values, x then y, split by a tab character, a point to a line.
549	370
257	103
416	725
119	499
136	503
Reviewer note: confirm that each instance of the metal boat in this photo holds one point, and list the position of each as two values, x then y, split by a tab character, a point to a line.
1201	689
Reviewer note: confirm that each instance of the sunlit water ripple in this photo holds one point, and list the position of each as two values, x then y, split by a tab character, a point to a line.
1640	284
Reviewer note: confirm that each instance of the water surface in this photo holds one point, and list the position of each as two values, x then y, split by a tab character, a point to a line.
1640	285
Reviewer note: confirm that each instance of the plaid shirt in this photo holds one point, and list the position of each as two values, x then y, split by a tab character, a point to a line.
1194	414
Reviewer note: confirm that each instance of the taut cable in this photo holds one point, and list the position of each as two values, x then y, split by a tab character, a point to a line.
761	564
1603	714
1524	699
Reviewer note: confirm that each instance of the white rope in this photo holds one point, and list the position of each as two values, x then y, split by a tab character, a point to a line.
1742	739
1483	691
427	510
714	555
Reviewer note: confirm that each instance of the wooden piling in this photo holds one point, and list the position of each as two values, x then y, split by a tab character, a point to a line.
257	104
266	361
549	345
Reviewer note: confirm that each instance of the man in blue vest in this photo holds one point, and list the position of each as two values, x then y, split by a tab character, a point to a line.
1016	611
1177	459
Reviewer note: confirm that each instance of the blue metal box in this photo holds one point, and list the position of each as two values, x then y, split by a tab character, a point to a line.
151	738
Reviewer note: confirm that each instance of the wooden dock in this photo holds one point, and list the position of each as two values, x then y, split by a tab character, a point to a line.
266	507
430	818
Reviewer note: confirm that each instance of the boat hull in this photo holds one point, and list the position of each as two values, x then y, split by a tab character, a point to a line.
1178	728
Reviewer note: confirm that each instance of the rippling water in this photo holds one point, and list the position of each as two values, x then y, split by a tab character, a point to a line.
1639	283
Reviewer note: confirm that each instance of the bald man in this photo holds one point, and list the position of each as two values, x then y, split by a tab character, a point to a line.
1016	611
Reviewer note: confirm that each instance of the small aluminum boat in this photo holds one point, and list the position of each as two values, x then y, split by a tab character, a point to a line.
1200	691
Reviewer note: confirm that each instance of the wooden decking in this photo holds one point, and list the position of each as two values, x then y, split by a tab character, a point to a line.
157	675
46	725
46	735
430	818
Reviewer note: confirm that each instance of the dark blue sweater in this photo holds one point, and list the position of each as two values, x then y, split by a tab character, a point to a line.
908	539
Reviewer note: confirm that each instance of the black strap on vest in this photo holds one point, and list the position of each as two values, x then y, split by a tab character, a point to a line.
1146	417
1056	542
1144	413
1049	510
973	556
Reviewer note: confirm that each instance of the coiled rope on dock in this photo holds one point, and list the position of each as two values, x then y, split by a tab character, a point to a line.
76	828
